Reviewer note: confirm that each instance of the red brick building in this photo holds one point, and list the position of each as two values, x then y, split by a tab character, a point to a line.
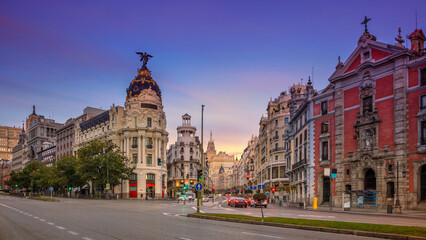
371	121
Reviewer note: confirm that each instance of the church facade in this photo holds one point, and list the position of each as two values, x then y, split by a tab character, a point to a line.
139	130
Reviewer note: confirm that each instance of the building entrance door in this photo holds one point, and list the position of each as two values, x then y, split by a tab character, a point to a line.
150	185
370	180
133	186
326	189
423	183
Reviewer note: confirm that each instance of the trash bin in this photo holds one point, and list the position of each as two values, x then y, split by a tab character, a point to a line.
389	208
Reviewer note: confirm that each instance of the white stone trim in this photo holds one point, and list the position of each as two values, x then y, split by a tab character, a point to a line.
384	98
350	108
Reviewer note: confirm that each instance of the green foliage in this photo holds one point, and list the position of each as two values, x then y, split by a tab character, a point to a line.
259	196
98	156
68	176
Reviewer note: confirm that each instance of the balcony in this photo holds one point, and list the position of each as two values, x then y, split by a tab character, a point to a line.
278	149
134	146
298	164
149	146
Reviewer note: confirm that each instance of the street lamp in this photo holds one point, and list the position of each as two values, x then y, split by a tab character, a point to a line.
398	203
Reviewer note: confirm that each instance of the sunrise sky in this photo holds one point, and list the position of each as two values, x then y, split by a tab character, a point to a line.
232	56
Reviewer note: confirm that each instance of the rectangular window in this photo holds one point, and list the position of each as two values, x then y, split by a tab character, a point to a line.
324	150
135	158
423	77
148	122
324	108
423	102
149	159
423	133
149	142
367	104
282	172
324	127
135	142
275	172
276	122
286	120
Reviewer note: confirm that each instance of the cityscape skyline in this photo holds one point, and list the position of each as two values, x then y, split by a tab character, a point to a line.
233	64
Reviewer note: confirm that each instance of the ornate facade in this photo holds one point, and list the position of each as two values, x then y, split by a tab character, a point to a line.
139	130
183	158
377	124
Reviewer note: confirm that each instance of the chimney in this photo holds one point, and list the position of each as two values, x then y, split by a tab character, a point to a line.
417	40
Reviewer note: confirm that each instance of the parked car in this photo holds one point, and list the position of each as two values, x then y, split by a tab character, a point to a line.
239	202
263	203
205	199
230	200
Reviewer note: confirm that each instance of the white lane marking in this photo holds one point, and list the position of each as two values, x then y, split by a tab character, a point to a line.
256	234
42	220
316	216
73	233
36	217
200	210
62	228
50	223
184	238
86	238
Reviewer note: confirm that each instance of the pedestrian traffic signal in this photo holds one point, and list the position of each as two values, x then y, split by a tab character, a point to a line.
273	189
16	185
200	175
248	176
213	188
159	162
0	187
69	188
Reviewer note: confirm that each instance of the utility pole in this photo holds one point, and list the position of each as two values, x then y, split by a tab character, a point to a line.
199	198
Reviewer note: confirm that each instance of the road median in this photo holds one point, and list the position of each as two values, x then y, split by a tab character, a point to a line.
350	228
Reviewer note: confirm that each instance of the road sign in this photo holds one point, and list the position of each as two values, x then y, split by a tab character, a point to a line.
51	188
333	173
251	187
198	186
263	186
266	193
108	186
259	186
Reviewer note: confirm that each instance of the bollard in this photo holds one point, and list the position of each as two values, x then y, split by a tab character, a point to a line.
315	203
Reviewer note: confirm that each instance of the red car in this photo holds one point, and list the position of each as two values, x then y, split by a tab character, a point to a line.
239	202
230	200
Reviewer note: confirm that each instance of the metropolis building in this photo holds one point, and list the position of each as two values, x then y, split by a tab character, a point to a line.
139	130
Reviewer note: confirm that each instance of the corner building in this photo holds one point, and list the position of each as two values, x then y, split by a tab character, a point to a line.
377	123
139	130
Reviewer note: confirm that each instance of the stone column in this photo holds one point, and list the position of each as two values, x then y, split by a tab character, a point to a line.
143	151
128	148
139	150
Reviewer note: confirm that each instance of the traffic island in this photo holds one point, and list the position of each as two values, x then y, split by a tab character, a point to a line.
350	228
45	199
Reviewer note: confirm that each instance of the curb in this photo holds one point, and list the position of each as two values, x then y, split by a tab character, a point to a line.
45	200
313	228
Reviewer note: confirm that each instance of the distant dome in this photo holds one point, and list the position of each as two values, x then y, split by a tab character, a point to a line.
141	82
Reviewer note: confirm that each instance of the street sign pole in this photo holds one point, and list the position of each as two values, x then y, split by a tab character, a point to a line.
199	198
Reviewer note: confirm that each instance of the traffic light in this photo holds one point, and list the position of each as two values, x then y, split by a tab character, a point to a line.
273	189
248	176
213	188
200	175
159	162
0	187
69	188
16	185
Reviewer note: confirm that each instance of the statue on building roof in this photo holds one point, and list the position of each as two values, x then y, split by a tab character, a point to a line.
144	58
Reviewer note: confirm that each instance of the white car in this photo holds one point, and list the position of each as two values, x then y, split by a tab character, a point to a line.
181	198
205	199
189	196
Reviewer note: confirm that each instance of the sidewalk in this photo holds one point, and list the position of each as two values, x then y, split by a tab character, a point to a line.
364	211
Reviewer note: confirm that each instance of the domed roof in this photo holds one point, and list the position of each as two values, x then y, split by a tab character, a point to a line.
141	82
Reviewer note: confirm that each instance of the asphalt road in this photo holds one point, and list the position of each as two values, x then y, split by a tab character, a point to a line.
221	206
126	219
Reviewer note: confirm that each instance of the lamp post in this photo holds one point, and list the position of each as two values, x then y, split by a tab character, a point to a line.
398	203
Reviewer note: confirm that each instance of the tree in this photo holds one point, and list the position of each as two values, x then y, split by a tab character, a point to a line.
101	160
66	170
260	197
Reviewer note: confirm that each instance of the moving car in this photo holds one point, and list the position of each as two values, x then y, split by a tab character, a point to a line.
190	196
205	199
263	203
239	202
182	198
250	201
230	200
